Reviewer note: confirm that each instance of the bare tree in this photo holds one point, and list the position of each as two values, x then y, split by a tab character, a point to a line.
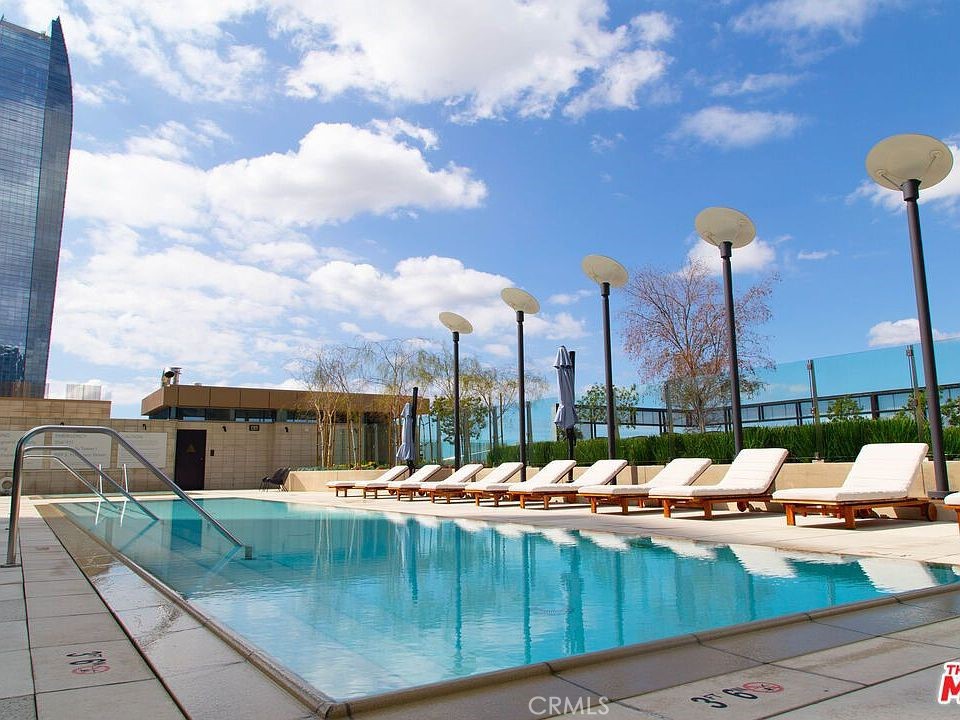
322	373
392	366
675	329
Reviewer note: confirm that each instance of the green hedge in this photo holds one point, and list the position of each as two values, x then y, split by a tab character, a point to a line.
838	441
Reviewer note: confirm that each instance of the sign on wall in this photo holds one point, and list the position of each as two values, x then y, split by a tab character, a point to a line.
152	445
96	448
8	444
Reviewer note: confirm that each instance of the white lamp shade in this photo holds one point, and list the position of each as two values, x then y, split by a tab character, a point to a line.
456	323
898	158
602	269
520	300
718	225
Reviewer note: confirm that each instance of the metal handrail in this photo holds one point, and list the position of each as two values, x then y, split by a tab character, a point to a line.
75	474
95	468
95	430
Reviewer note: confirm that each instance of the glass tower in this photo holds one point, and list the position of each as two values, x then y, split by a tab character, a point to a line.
36	119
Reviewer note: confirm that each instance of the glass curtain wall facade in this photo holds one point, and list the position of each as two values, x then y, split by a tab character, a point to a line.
36	121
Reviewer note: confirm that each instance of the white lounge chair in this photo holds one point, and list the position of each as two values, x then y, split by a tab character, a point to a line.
682	471
749	477
500	474
881	476
389	476
552	472
455	482
600	473
952	502
412	484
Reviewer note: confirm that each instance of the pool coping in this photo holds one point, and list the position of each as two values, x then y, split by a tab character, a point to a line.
325	706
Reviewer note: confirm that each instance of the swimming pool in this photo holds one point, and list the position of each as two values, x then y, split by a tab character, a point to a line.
360	602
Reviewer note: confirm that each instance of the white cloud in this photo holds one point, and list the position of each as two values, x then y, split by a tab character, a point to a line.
901	332
182	46
569	298
135	308
602	143
280	255
398	127
173	140
97	95
500	350
816	254
764	82
845	17
337	172
620	82
562	326
945	195
728	128
413	293
354	329
758	256
420	52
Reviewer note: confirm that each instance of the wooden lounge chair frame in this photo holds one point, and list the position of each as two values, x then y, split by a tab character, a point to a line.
956	509
622	500
706	502
848	511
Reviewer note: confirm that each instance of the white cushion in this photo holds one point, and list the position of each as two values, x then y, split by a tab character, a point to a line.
551	473
341	483
381	481
694	491
500	474
600	473
614	490
952	499
882	471
681	471
753	471
836	494
890	467
457	480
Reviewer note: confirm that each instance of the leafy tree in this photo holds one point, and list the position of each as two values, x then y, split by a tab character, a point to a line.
592	407
676	331
844	409
950	409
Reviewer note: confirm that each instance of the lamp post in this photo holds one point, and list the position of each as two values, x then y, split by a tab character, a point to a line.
456	324
907	163
523	303
727	228
608	273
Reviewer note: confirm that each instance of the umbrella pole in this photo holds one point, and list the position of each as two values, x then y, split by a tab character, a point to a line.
572	431
412	464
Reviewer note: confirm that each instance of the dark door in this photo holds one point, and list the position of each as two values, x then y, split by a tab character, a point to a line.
191	459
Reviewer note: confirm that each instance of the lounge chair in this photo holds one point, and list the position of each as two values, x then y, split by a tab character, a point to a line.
952	502
749	478
277	480
552	472
411	485
379	483
497	476
881	476
600	473
453	485
682	471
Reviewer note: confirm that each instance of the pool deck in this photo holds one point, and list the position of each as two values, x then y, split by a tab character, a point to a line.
65	615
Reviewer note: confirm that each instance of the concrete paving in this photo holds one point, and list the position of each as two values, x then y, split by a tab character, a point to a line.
78	642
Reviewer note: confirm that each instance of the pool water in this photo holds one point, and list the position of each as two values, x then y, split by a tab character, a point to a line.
360	602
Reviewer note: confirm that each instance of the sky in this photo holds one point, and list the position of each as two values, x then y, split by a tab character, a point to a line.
252	179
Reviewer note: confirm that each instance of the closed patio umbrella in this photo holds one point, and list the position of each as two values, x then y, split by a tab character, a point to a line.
566	416
405	452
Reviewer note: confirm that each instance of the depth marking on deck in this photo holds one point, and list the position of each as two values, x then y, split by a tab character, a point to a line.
88	663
